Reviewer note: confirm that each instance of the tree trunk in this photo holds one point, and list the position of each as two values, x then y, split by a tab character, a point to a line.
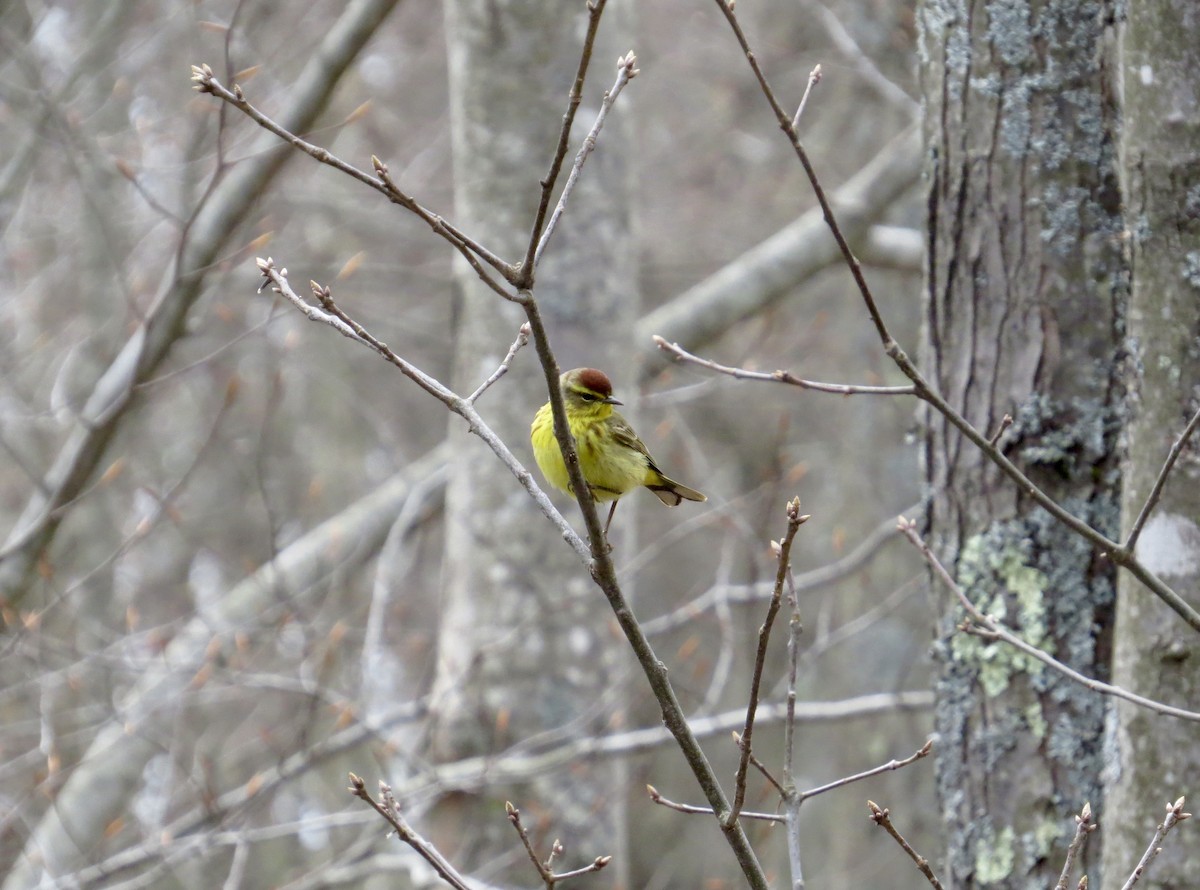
524	631
1154	653
1025	303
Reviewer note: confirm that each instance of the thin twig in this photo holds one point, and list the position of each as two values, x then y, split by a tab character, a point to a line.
866	67
693	810
1083	827
518	345
545	869
595	865
1160	482
882	818
761	767
1175	815
888	767
387	808
1005	422
785	123
524	278
783	553
985	627
206	82
844	389
795	629
514	816
627	70
814	78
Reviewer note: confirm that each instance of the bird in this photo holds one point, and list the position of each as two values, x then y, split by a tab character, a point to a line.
613	459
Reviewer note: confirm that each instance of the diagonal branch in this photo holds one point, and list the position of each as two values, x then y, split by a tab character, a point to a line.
1160	482
983	626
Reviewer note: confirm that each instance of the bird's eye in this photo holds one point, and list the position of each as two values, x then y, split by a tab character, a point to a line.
587	397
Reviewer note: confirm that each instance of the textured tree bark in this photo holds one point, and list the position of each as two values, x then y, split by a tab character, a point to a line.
1025	303
1154	654
524	631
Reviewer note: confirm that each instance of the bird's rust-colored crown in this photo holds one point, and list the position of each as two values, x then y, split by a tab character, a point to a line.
596	381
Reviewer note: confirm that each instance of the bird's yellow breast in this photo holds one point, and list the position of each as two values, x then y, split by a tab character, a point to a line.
610	468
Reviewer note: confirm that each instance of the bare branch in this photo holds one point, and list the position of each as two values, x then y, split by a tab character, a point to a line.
545	870
390	811
693	810
1175	815
460	406
627	70
843	389
206	82
882	818
814	78
888	767
783	551
1122	556
518	345
1160	482
1083	827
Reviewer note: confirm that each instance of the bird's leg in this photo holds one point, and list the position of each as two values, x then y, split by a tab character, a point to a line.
611	511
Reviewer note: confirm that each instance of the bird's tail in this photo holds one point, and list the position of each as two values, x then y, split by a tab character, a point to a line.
672	493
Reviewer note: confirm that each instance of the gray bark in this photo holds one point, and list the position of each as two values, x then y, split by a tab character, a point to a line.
1025	304
1151	759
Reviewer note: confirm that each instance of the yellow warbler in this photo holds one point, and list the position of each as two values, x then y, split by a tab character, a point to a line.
613	459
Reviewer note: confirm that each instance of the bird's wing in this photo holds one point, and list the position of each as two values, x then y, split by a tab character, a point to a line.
625	436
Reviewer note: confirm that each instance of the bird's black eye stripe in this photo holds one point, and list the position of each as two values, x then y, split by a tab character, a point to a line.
587	397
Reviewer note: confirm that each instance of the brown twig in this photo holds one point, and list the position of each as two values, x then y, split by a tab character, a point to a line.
761	767
1160	482
545	869
783	553
1005	422
888	767
1083	827
206	82
387	807
982	626
1175	815
844	389
882	818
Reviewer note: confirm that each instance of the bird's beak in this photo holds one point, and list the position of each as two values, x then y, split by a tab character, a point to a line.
611	401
